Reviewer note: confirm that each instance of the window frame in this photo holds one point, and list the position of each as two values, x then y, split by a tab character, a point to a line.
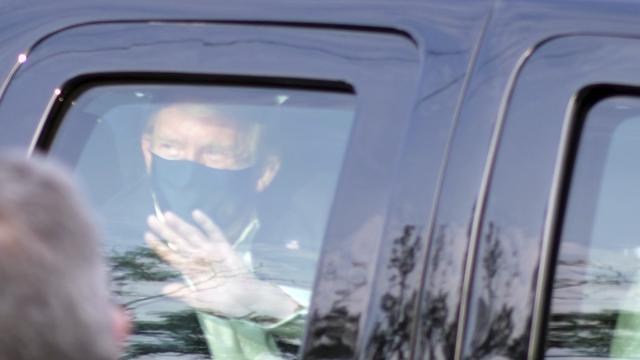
589	98
548	74
382	67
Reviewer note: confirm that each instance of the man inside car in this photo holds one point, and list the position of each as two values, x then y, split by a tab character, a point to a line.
207	168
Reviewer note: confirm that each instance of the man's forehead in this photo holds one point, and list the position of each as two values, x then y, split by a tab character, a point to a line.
188	114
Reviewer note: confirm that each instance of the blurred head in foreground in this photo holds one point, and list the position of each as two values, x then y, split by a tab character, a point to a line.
54	300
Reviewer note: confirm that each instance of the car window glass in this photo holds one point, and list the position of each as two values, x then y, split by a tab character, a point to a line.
595	305
213	202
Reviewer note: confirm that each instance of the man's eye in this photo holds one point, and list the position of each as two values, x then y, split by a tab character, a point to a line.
167	149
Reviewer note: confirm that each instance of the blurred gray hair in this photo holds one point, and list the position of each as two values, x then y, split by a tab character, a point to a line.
54	300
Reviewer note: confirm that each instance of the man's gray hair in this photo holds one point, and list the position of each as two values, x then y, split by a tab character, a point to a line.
236	116
54	300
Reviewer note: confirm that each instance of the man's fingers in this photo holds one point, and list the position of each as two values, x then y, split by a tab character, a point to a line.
212	230
163	250
225	251
165	231
190	234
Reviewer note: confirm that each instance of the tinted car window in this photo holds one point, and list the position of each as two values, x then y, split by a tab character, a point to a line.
214	202
595	307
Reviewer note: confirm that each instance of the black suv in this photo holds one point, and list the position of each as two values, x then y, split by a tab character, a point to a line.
416	179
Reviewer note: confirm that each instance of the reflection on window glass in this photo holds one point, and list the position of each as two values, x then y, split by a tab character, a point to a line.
595	309
214	201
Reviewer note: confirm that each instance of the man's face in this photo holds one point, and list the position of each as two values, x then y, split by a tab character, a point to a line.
207	139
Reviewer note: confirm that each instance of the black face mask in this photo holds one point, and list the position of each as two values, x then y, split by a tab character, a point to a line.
181	186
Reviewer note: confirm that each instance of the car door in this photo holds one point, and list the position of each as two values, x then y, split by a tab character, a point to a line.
336	101
555	267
